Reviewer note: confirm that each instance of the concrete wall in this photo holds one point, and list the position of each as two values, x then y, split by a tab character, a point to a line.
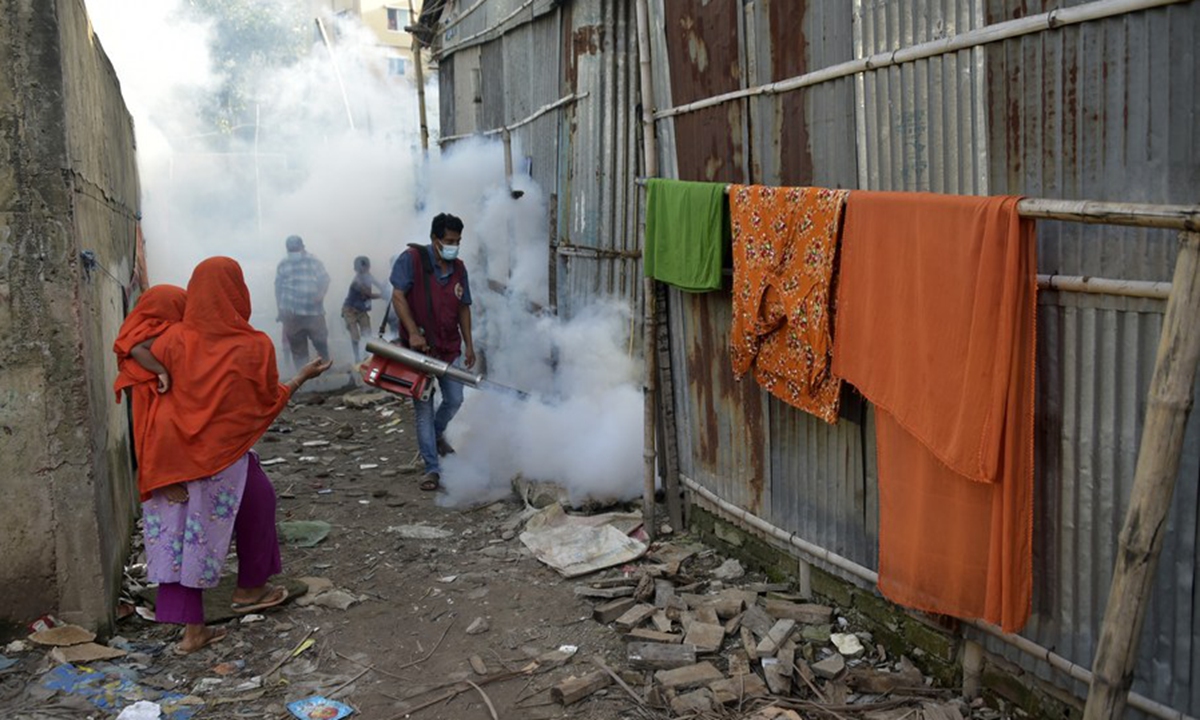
68	184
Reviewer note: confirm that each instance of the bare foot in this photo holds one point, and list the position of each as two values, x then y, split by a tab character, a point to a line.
198	637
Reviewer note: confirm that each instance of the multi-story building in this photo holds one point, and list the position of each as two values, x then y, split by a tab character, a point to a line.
387	21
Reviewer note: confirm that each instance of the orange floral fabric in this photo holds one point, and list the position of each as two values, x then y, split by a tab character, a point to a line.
937	296
785	243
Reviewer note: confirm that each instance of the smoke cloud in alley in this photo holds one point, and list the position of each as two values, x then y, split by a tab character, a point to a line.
345	171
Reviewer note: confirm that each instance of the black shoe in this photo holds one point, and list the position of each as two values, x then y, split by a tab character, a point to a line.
443	447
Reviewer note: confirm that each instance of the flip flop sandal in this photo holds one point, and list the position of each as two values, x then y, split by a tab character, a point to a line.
274	595
430	485
216	637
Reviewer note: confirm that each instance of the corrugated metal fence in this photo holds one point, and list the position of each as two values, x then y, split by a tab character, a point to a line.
1100	110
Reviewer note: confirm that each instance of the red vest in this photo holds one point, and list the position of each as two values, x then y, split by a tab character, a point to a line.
435	310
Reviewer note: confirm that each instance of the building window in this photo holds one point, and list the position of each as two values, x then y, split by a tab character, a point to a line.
393	19
396	66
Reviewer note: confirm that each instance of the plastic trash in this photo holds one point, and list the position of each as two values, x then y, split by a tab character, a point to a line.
319	708
141	710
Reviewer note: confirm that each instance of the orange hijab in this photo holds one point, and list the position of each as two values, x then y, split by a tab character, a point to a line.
225	389
157	309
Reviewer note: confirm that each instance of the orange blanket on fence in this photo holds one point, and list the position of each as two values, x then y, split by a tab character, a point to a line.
225	389
784	247
936	325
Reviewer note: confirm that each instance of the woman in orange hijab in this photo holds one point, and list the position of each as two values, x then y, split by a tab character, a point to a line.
137	369
200	483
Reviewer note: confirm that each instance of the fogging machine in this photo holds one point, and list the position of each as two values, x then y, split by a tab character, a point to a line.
402	371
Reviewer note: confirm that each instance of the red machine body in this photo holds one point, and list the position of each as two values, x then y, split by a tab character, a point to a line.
398	378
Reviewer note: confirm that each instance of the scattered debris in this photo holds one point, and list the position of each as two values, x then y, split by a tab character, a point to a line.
360	399
478	626
84	653
729	570
420	531
110	693
847	644
141	710
319	708
304	533
578	545
574	689
63	636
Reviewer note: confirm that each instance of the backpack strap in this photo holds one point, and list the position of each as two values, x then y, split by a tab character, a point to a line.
427	268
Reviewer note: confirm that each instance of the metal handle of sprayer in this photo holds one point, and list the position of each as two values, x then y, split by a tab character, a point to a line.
423	363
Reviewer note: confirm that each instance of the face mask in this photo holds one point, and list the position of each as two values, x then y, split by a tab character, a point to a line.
449	252
295	253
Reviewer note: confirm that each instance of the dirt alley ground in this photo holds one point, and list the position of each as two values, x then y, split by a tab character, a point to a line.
417	596
410	603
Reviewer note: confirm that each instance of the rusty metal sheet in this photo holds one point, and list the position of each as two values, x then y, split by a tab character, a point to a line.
723	426
704	57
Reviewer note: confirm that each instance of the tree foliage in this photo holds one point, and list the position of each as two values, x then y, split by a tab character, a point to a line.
250	38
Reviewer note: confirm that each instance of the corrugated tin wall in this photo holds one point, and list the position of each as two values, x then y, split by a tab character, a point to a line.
600	208
1100	111
585	154
1103	110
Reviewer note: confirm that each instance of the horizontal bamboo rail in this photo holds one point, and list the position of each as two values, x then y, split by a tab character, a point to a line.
564	100
973	38
832	559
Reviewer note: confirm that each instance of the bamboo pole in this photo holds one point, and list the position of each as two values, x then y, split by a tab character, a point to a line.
337	72
706	497
566	99
1169	402
649	324
420	73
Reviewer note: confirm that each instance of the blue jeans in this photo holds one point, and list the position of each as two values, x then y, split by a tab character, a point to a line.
431	425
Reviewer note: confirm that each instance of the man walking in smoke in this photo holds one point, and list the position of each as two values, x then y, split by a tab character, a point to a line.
432	298
300	286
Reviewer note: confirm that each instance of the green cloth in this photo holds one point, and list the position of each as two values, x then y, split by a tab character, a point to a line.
687	231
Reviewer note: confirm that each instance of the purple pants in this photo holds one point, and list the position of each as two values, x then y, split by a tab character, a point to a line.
257	552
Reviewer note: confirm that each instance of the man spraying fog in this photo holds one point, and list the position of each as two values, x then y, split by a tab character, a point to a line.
432	298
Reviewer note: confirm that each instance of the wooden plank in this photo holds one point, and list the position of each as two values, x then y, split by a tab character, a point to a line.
659	656
779	673
706	637
806	613
664	590
661	622
607	593
621	581
634	616
757	621
688	677
737	689
739	663
649	635
609	611
776	637
707	615
693	703
749	644
574	689
732	624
